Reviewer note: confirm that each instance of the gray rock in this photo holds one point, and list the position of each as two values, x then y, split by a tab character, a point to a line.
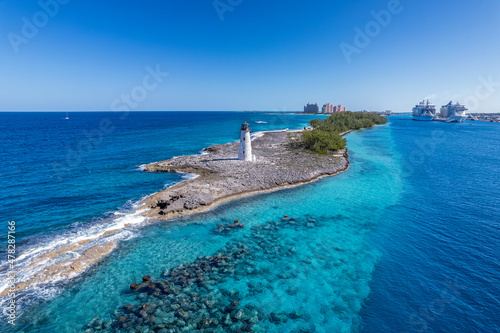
183	314
239	314
222	175
228	320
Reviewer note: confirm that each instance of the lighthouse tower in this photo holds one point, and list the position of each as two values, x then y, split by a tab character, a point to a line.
245	152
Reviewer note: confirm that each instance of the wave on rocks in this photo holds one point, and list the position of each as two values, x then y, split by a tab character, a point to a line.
256	135
184	177
61	257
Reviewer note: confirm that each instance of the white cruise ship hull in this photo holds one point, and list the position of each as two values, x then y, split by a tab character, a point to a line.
455	119
423	118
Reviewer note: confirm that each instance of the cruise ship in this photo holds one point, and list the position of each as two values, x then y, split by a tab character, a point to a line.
424	111
453	113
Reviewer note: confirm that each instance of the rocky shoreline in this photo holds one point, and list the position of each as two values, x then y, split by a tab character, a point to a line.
223	177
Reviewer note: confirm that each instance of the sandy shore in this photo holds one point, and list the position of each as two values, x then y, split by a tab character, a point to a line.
223	177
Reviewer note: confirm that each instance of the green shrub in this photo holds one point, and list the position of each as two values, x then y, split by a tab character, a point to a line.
321	142
325	135
346	121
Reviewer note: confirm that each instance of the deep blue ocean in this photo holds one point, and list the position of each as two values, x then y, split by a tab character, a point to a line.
406	240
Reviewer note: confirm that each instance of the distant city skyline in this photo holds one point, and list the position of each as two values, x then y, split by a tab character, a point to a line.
60	55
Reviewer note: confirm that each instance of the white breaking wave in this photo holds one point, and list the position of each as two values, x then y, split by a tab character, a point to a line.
122	225
35	258
202	152
185	177
188	176
261	122
91	233
143	166
256	135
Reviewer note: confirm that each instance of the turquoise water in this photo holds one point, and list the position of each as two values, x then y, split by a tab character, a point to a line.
401	241
440	270
58	172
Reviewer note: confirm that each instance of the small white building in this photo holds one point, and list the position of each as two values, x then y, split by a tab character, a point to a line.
245	151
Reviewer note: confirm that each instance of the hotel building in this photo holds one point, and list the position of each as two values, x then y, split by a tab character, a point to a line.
311	108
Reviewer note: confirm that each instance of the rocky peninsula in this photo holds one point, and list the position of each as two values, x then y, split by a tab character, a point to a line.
221	176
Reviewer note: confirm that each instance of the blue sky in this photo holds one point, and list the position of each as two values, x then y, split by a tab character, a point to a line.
262	55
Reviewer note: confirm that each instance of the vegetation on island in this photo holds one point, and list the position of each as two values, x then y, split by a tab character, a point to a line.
326	136
321	141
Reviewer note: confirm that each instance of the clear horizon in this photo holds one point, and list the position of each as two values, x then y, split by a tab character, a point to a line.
263	111
62	55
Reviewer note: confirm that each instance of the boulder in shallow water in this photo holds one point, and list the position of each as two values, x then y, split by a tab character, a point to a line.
294	315
228	320
238	314
238	327
185	315
231	307
274	318
205	322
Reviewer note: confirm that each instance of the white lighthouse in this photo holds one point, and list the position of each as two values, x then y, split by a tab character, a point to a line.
245	152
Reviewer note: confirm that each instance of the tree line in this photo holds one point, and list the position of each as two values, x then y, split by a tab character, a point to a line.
325	135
